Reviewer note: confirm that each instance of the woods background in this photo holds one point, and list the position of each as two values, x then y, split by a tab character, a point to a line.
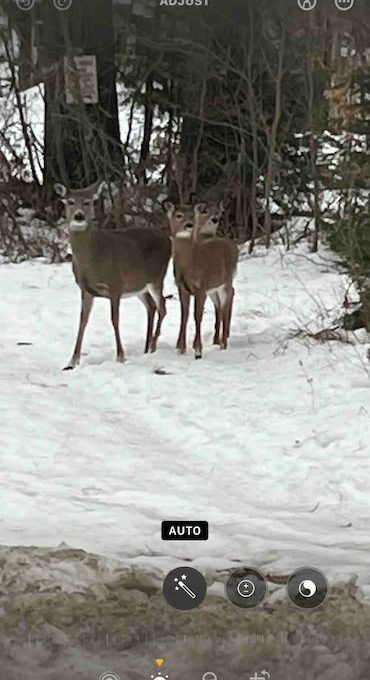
259	103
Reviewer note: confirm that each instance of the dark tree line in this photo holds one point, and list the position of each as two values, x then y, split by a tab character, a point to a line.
237	99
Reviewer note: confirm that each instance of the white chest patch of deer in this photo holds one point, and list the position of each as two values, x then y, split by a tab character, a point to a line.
78	225
186	233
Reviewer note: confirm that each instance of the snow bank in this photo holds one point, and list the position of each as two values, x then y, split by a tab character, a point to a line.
267	441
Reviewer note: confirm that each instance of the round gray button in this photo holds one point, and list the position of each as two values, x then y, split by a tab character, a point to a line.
246	587
25	4
184	588
307	5
344	5
62	5
307	588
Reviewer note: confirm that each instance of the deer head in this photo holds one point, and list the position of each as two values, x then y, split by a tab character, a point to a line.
181	218
80	204
207	217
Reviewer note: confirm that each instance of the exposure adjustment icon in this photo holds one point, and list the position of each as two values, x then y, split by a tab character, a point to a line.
246	587
158	674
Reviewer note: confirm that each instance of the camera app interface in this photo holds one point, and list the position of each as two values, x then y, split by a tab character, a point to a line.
185	317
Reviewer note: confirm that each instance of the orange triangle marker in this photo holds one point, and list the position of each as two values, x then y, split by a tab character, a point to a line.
159	662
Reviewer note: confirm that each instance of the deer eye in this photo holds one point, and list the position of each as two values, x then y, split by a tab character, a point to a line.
71	201
179	216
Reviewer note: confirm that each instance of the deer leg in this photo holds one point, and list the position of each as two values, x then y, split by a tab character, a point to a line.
114	306
224	337
226	315
232	294
184	301
147	301
160	303
216	304
216	337
86	306
200	299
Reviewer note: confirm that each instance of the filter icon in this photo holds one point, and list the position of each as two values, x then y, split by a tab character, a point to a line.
307	588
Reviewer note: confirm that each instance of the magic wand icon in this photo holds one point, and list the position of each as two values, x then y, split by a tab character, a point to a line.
180	584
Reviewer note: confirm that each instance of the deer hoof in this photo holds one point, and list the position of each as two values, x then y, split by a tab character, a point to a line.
72	364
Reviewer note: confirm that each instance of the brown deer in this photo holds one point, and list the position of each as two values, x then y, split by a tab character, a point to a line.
114	264
203	265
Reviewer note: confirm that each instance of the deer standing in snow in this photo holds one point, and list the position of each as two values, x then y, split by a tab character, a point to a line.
204	264
113	264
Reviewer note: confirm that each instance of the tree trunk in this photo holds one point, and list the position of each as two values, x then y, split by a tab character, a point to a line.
148	129
82	140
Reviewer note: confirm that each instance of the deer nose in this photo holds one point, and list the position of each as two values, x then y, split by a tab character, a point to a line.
189	225
79	216
214	220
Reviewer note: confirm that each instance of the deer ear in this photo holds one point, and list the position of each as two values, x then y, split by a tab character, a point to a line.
200	207
168	207
102	186
101	189
225	203
60	190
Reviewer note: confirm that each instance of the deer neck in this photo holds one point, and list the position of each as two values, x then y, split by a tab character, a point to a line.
81	244
185	251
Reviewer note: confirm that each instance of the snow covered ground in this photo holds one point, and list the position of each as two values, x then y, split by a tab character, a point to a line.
268	441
